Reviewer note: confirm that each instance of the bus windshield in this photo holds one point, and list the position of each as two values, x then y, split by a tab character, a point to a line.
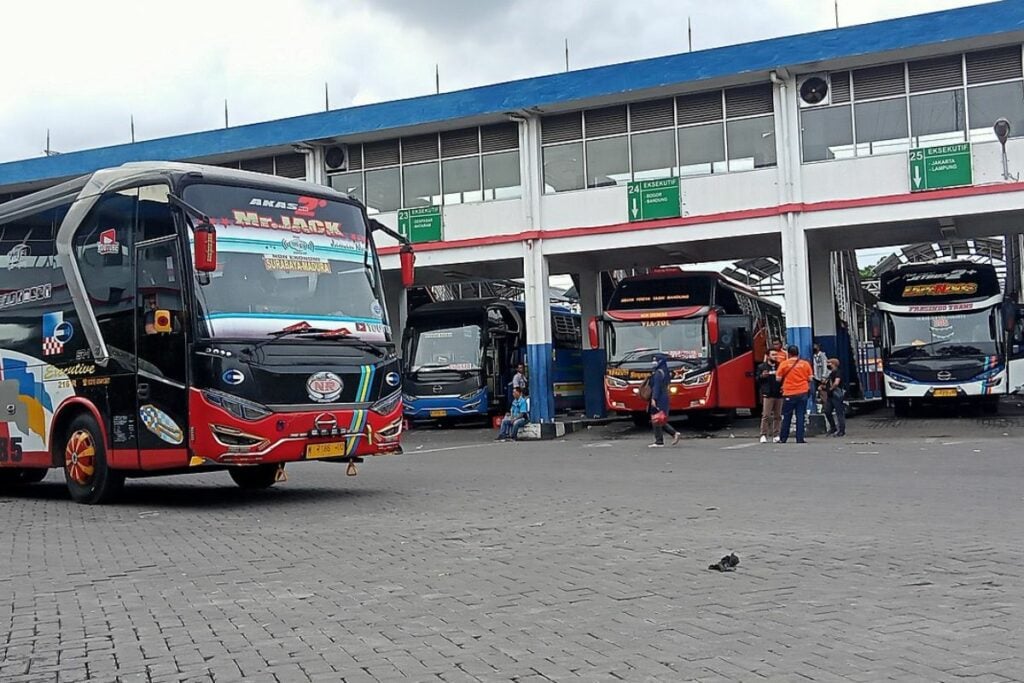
285	259
942	335
679	339
447	347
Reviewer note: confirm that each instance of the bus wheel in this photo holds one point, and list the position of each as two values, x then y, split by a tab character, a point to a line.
15	476
990	407
254	477
901	407
641	420
89	479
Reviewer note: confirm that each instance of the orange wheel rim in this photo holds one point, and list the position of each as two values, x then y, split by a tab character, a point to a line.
80	457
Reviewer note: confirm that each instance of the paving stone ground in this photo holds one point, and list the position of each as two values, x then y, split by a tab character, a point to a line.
884	557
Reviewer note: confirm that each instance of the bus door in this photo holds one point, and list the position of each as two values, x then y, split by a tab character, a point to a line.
1015	354
493	366
734	358
161	355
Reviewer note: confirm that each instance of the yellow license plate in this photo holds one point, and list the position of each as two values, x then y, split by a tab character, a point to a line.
325	450
944	393
438	413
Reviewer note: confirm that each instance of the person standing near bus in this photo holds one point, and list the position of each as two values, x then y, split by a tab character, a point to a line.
819	365
835	395
519	380
770	390
795	375
659	407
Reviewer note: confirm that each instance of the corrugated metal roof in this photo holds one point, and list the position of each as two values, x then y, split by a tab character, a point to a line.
557	90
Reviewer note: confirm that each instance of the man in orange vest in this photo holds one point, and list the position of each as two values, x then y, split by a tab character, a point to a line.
795	375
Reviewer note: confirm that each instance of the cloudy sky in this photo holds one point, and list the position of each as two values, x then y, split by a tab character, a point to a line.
82	69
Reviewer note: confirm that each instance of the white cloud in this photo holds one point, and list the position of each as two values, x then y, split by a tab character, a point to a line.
81	69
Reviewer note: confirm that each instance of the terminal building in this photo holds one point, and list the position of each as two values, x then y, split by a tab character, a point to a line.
791	148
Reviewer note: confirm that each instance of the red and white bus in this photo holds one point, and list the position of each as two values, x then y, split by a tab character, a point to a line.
714	330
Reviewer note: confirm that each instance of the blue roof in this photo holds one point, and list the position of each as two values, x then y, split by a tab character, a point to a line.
541	91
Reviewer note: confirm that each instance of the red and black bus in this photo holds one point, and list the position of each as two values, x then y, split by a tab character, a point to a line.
158	318
714	331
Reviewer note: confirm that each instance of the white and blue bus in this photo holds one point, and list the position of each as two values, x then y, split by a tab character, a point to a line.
947	335
460	357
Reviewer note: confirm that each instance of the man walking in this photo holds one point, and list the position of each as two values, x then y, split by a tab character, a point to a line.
770	390
795	375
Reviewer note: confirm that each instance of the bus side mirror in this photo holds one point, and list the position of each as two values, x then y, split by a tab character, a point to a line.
875	325
594	332
1008	314
713	327
205	255
407	258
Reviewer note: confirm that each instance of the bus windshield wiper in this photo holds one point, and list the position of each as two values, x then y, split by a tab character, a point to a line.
339	336
635	353
297	328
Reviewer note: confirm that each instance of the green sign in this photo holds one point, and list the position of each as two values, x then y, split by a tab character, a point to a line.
651	199
932	168
422	224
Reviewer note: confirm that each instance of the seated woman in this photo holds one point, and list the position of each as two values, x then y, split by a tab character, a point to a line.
516	417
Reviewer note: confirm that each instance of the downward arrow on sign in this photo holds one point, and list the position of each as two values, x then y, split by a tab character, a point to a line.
917	176
636	210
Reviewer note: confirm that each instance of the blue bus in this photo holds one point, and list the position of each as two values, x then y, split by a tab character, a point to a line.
460	356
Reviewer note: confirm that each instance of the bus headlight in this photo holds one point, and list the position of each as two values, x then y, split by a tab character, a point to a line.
695	380
616	383
470	394
387	404
239	407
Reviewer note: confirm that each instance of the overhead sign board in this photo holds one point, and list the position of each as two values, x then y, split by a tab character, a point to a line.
934	168
422	224
653	199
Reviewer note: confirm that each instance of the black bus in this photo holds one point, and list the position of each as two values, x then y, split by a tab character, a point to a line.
158	318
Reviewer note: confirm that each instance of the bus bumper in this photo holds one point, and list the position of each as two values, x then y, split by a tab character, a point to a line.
899	387
680	398
217	437
433	407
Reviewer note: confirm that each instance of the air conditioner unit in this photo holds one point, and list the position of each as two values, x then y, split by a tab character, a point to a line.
813	90
336	158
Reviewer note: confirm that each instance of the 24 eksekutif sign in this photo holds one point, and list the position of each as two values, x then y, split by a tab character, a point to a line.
652	199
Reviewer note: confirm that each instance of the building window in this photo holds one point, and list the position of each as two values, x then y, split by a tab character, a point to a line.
563	167
922	103
827	133
383	190
751	143
685	135
501	176
434	169
461	180
653	154
988	103
607	162
938	118
881	126
702	149
349	183
421	185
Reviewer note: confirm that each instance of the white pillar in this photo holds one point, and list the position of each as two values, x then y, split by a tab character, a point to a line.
796	285
316	167
538	332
